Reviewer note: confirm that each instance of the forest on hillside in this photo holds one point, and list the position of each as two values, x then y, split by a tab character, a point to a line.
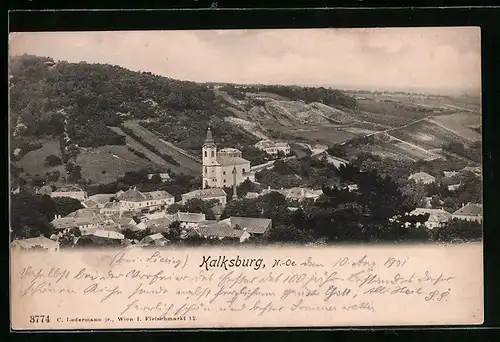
47	96
93	96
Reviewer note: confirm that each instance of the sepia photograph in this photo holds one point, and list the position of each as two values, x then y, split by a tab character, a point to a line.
215	150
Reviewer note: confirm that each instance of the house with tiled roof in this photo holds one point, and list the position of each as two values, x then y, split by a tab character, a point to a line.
37	242
112	208
241	228
165	177
470	212
272	148
206	195
422	177
88	203
83	219
157	225
301	194
437	217
100	199
154	240
71	191
134	200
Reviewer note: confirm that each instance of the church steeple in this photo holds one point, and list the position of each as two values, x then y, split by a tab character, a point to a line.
209	140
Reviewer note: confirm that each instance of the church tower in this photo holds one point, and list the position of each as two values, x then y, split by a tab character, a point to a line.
209	160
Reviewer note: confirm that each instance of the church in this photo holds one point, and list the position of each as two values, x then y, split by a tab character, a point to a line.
224	168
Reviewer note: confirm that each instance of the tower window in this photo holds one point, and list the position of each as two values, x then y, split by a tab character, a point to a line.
224	173
206	170
213	154
224	180
243	171
206	154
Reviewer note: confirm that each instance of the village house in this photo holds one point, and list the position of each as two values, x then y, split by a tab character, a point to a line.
223	168
188	220
476	170
98	200
242	228
422	177
135	200
86	220
301	194
297	193
272	148
437	217
162	223
102	238
40	242
469	212
165	177
154	240
157	225
70	191
449	174
112	208
206	195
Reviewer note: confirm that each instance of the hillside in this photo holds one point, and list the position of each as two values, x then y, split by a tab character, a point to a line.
79	111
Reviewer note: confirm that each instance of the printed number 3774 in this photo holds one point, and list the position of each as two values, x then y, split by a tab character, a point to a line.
39	319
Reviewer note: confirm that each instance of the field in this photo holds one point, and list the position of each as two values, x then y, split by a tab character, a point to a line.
34	161
388	113
115	161
459	123
154	158
188	165
427	134
323	135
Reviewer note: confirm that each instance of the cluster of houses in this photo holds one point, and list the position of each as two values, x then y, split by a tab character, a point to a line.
471	212
274	147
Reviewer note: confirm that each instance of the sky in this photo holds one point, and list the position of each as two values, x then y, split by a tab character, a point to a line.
378	58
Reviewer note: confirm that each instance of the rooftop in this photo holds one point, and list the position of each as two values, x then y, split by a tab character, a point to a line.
205	193
227	160
470	210
189	217
41	241
101	198
435	215
132	195
109	234
250	224
421	175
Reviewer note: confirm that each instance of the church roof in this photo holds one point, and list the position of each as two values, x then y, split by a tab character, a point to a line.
227	161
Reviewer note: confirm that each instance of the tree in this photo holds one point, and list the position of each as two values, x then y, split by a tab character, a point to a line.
66	205
174	231
436	202
176	207
53	160
30	215
68	238
456	231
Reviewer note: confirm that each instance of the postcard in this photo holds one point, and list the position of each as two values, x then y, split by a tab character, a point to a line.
245	178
